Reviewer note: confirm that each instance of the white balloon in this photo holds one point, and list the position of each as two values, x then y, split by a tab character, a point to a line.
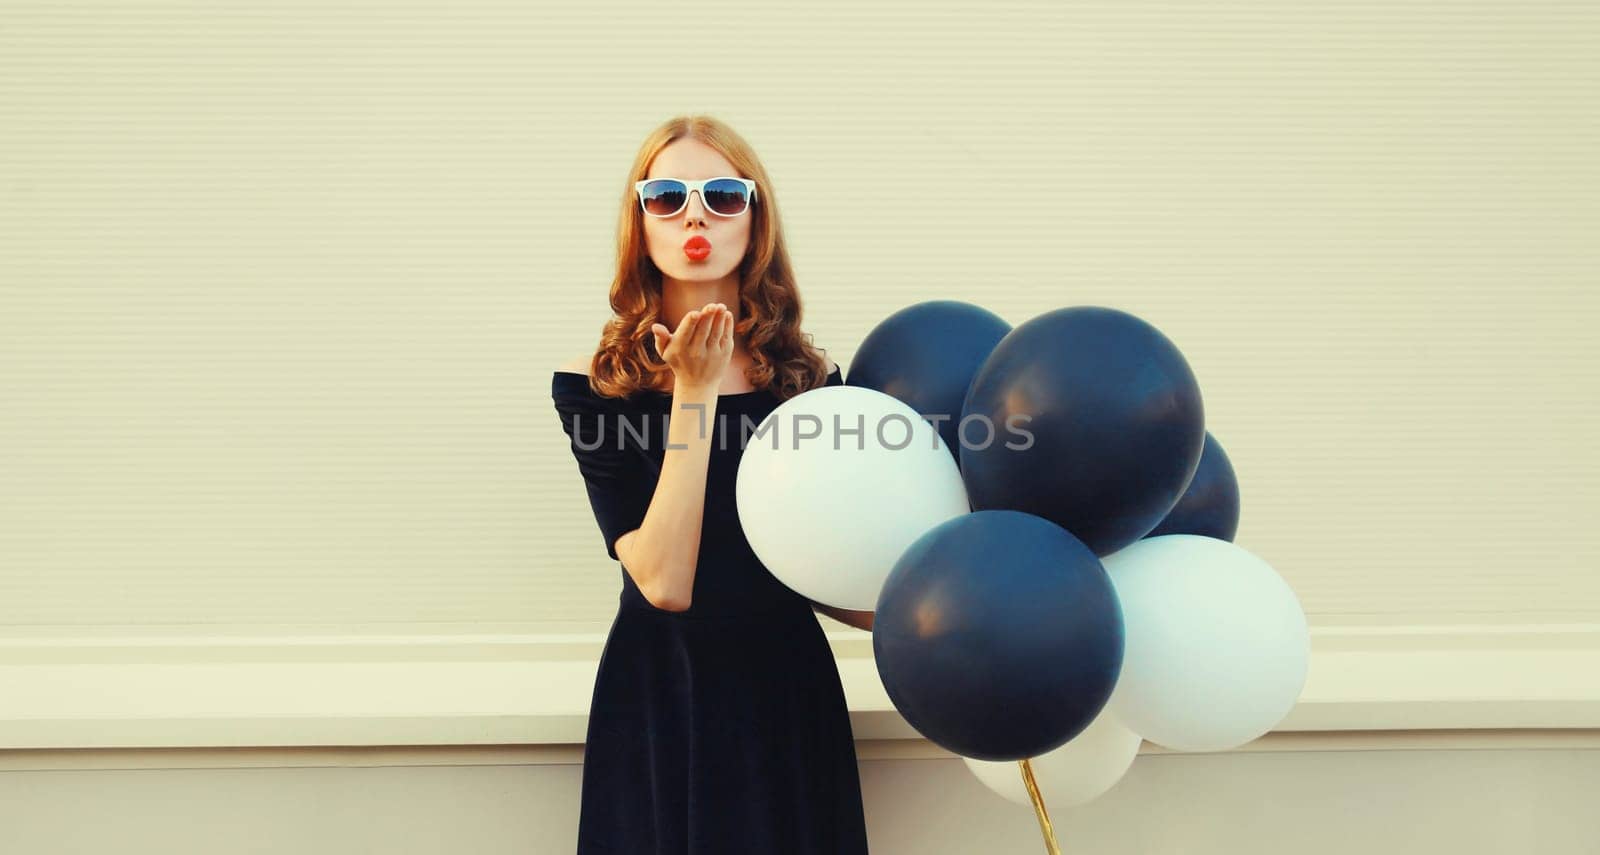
829	511
1217	645
1076	773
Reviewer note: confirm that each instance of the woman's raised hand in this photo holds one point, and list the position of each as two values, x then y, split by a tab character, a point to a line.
699	352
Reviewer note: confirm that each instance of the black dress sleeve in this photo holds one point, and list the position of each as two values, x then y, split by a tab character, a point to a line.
619	492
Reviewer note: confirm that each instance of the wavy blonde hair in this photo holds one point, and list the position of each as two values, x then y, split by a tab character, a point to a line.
786	362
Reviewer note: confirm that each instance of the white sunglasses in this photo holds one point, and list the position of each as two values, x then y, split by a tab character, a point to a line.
667	197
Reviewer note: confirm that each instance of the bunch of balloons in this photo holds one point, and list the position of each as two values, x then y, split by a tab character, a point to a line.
1044	528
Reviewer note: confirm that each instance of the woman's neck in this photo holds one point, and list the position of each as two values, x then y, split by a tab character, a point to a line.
679	297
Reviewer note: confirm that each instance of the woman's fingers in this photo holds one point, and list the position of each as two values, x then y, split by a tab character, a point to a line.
675	341
686	328
702	331
687	323
709	328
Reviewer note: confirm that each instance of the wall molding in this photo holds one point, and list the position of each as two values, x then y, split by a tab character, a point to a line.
155	690
867	750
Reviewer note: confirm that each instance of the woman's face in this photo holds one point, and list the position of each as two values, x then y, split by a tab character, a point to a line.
664	237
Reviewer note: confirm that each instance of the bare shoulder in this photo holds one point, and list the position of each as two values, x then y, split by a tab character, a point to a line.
829	360
578	364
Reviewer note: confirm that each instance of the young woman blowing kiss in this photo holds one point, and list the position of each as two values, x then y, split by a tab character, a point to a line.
718	722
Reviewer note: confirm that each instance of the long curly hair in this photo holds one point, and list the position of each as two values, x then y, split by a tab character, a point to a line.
785	361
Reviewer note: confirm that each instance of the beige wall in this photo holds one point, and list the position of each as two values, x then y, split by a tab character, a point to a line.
282	285
1482	800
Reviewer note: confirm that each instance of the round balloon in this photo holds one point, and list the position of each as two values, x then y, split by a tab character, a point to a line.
1210	504
1074	774
1088	417
926	355
1217	644
998	635
835	483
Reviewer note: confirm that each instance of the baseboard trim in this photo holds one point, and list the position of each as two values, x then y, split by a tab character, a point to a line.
461	689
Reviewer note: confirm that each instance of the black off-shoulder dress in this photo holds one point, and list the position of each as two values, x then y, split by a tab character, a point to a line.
723	728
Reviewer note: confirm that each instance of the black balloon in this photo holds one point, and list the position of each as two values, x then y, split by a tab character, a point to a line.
925	355
1210	506
1115	419
998	635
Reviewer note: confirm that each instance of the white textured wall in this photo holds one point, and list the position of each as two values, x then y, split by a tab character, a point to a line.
281	285
1457	801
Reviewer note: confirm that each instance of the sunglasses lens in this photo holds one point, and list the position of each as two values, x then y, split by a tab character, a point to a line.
665	196
726	196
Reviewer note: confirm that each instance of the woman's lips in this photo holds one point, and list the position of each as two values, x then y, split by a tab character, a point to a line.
697	248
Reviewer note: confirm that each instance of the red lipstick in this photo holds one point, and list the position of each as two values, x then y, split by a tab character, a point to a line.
697	248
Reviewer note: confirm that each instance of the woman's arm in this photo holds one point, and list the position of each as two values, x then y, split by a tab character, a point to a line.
666	545
857	619
664	550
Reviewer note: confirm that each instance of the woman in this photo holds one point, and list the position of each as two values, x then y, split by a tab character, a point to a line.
718	722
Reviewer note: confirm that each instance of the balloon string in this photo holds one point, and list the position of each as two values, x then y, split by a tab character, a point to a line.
1038	808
